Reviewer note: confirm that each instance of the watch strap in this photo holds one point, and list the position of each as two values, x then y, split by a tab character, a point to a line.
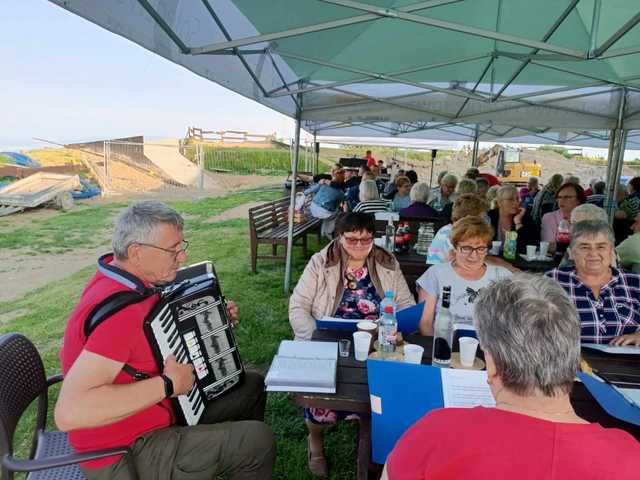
168	386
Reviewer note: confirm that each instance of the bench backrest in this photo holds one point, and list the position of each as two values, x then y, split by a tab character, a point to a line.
269	215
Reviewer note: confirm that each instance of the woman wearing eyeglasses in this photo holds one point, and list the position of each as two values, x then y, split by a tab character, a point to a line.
569	196
467	273
347	279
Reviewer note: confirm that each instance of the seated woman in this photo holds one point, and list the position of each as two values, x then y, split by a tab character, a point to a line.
327	200
466	185
466	274
401	198
529	332
346	279
607	300
510	216
569	196
370	201
419	196
467	205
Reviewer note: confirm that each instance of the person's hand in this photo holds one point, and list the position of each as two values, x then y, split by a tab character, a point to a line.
629	339
517	219
232	308
181	374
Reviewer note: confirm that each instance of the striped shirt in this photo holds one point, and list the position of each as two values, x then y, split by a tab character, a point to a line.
372	206
615	313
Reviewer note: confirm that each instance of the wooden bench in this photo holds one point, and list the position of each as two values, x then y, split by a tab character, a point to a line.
268	224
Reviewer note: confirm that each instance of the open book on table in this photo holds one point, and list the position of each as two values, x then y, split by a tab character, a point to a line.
304	367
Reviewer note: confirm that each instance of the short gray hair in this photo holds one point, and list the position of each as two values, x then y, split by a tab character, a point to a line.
138	222
591	228
450	180
533	182
420	192
531	328
587	211
466	185
506	191
368	190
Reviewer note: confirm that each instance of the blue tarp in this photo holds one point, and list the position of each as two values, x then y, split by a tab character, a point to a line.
88	190
20	159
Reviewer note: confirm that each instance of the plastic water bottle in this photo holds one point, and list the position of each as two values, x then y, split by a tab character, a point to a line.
443	332
387	325
390	237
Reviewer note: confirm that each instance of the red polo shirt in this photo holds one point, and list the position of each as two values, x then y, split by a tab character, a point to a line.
370	160
120	338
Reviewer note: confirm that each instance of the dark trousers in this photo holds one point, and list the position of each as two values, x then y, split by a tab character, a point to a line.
230	440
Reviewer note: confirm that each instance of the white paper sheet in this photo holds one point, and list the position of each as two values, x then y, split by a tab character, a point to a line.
626	350
632	394
466	389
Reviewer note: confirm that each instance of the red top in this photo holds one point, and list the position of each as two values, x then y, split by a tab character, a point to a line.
487	443
370	160
120	338
492	179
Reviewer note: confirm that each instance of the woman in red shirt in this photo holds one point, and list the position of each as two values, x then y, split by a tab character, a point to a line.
530	333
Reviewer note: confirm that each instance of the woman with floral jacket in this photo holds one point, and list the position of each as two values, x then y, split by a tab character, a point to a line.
347	279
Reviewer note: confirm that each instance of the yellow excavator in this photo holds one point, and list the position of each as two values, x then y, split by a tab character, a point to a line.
509	167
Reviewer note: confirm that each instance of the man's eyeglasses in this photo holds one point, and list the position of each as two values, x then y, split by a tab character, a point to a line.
352	242
468	250
183	248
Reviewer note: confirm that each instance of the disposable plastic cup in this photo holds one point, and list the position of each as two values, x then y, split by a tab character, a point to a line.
361	342
413	353
531	252
468	347
544	247
343	347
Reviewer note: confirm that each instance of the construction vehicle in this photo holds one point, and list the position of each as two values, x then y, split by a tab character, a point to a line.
509	166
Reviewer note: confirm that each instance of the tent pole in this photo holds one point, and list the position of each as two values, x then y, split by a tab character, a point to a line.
316	154
474	156
615	157
292	201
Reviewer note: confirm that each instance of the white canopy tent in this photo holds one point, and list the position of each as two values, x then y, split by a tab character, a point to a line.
549	71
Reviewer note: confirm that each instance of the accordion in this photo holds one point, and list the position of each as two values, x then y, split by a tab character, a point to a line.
191	322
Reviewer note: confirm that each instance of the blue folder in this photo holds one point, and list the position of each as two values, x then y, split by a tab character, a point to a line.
408	321
405	392
611	400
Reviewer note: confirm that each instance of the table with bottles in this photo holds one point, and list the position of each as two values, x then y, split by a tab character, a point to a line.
352	391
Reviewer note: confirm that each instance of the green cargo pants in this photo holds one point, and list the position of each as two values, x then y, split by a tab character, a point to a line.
231	440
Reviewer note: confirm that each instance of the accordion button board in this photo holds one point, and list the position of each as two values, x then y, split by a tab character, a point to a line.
192	323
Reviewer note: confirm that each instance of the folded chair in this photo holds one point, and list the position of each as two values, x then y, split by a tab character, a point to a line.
23	380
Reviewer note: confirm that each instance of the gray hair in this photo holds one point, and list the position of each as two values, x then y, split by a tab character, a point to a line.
138	222
531	328
572	179
533	182
368	191
441	175
466	185
450	180
587	211
419	192
506	191
591	228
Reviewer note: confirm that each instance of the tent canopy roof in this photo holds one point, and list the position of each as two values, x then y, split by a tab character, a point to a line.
544	71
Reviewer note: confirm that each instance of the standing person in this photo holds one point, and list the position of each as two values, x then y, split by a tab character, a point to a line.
545	200
327	201
530	335
467	274
447	188
346	279
102	406
370	160
569	196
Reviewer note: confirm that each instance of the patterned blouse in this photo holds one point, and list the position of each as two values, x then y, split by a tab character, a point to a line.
615	313
359	299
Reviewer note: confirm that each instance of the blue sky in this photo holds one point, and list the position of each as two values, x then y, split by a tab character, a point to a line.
65	79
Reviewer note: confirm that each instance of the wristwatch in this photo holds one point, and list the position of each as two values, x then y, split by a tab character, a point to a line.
168	386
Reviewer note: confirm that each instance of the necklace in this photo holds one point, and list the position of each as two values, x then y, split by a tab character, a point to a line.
569	411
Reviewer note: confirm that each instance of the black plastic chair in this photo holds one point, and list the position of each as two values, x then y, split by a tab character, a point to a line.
22	380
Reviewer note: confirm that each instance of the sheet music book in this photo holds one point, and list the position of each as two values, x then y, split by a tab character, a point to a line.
614	401
408	321
465	388
603	347
304	367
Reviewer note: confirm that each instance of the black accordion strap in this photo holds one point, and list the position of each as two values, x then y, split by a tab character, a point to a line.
110	306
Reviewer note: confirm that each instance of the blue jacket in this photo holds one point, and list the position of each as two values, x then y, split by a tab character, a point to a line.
326	196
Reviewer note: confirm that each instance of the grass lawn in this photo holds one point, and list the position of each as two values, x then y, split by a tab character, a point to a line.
41	315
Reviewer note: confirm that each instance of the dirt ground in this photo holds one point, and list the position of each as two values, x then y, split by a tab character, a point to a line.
22	272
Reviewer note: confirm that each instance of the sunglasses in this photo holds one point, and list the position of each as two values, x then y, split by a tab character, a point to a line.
352	242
